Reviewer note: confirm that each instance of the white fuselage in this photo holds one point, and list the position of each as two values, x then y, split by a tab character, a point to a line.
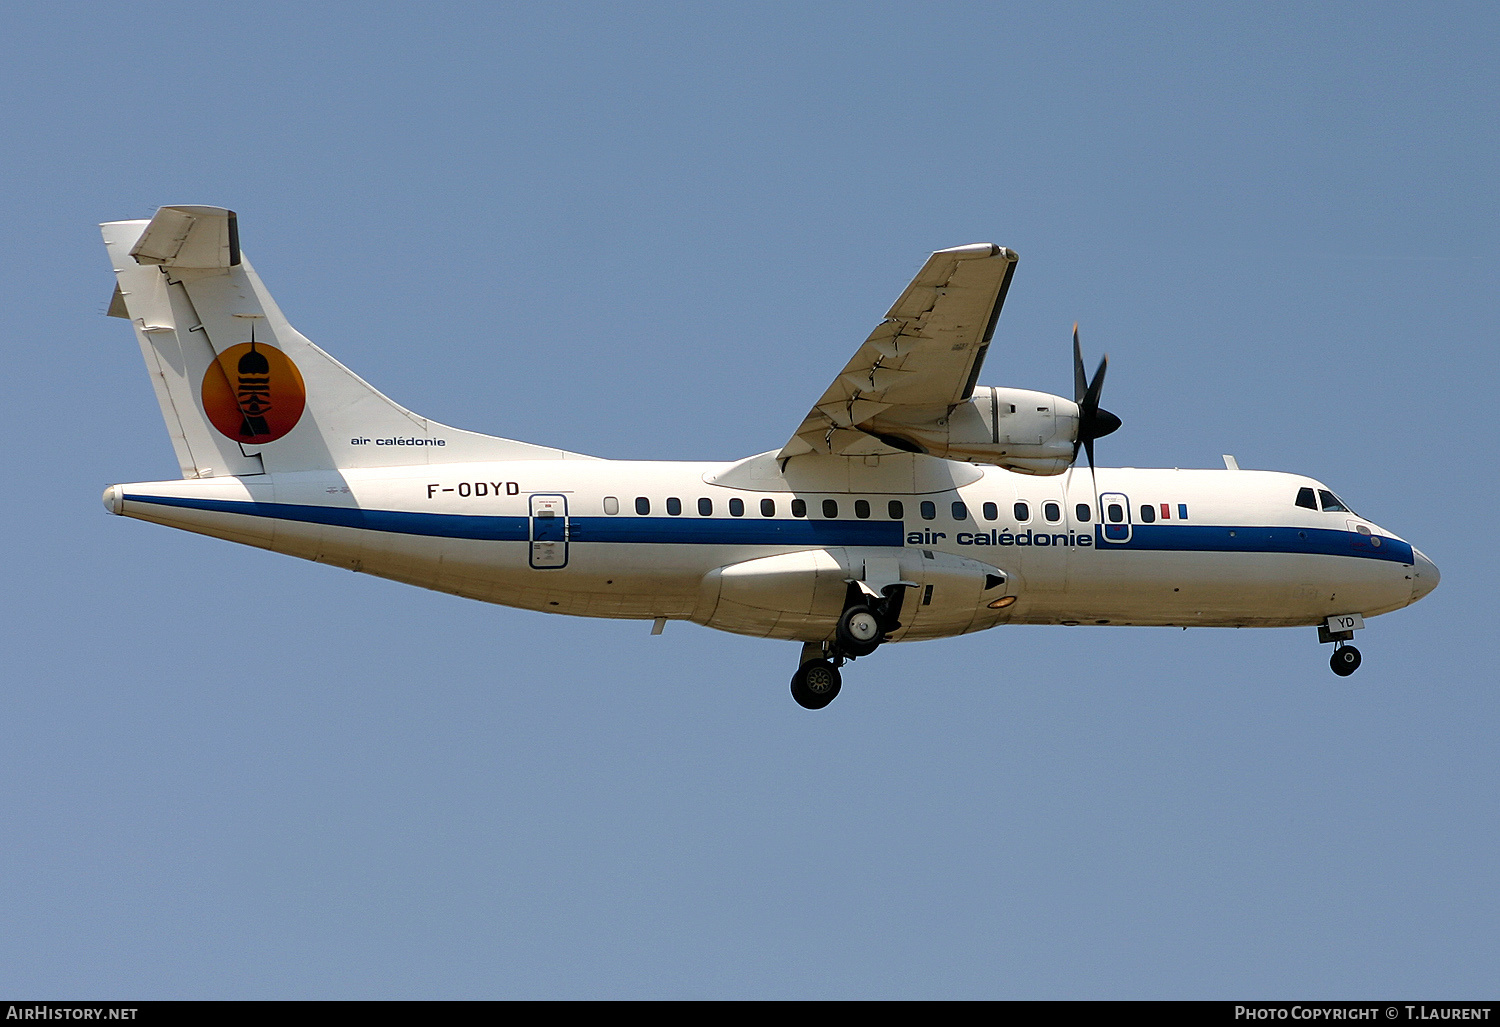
655	540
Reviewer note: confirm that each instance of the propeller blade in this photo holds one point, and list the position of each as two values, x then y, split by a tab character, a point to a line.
1093	423
1090	404
1080	382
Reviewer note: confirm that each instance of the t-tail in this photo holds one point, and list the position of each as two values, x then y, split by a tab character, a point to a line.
241	390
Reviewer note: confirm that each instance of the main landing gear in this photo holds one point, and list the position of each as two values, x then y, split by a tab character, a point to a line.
859	631
816	684
1339	630
866	622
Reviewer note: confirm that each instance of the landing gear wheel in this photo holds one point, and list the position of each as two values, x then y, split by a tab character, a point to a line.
1345	660
816	684
859	631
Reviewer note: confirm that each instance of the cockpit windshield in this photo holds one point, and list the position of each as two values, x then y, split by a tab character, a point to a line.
1308	500
1331	503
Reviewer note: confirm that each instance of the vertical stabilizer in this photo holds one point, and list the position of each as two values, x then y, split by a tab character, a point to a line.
178	357
241	390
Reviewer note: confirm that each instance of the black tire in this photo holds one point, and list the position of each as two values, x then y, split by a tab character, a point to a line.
823	687
859	631
1345	660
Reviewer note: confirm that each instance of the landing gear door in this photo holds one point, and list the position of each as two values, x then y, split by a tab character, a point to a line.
549	531
1114	515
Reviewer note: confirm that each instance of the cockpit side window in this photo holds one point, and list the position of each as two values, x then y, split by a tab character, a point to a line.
1306	499
1331	502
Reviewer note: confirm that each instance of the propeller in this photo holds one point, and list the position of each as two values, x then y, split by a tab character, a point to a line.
1093	423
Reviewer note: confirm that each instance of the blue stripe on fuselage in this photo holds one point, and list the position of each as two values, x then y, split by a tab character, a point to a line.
1211	538
657	530
1182	538
730	532
496	529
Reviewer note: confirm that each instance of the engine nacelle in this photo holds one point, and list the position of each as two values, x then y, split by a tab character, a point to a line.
1020	430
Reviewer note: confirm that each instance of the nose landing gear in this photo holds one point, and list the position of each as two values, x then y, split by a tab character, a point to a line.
1345	660
1339	630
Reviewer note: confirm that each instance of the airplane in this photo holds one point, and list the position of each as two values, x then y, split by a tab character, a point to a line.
911	503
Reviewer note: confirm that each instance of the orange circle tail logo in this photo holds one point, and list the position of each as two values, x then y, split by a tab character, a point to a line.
253	393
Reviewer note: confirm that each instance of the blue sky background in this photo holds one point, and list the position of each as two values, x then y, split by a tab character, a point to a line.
657	231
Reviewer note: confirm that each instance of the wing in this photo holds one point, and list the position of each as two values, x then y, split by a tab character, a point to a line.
920	362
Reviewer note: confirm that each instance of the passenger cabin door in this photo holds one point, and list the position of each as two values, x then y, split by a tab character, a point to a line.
549	531
1114	514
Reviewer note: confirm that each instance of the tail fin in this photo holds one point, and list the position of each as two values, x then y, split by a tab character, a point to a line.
241	390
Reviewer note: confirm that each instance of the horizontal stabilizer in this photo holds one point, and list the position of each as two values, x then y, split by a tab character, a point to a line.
197	237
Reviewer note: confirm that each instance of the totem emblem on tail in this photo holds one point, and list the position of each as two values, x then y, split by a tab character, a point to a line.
254	393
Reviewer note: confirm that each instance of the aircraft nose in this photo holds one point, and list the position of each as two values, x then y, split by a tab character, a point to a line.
1424	575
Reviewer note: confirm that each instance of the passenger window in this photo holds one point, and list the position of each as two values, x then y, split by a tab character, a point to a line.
736	507
960	512
768	508
896	509
1052	512
1083	512
705	508
1022	512
611	505
1306	499
929	510
1116	513
830	508
674	506
799	508
1148	513
1331	502
991	511
642	505
861	508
